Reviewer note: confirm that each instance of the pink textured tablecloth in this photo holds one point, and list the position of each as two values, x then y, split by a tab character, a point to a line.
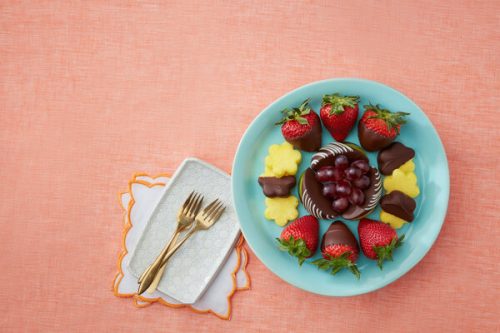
91	92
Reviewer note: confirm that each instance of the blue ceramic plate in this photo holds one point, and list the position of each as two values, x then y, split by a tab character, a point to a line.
431	170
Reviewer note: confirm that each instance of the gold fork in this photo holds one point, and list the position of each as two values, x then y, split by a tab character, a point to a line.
185	218
204	220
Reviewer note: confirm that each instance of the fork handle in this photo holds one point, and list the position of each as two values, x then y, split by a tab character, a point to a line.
149	274
156	281
159	274
178	244
156	264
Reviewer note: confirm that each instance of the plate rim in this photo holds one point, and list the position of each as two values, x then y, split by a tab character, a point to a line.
261	257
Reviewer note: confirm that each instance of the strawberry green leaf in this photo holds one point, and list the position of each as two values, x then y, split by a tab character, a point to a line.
338	102
294	247
296	113
305	105
354	270
302	121
336	264
391	119
385	252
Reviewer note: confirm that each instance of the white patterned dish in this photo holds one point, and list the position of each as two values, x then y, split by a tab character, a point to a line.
191	269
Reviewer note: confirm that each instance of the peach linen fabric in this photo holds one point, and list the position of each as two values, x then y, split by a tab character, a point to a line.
92	91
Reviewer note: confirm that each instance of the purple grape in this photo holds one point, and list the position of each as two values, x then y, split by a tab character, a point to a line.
343	188
340	205
341	162
361	165
326	174
362	183
338	174
329	190
352	173
357	197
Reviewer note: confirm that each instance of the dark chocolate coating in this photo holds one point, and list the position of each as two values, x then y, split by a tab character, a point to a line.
277	187
311	190
311	141
321	207
393	156
312	197
370	140
326	155
339	233
399	204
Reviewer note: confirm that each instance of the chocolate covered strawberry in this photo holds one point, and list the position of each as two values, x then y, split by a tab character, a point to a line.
301	127
300	238
339	114
378	240
339	249
379	127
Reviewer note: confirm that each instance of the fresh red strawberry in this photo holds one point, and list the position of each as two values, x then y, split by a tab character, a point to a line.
339	249
300	238
339	114
379	127
378	240
301	127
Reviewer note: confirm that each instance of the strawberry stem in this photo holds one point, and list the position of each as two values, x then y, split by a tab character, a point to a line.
295	247
385	252
336	264
296	113
338	102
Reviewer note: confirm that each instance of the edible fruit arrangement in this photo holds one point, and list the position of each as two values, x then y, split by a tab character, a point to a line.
340	182
344	183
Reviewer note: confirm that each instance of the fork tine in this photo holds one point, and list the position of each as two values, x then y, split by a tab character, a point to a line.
218	207
188	199
186	203
216	203
196	206
217	213
213	210
189	209
209	207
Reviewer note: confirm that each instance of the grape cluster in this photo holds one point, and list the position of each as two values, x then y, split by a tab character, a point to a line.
344	182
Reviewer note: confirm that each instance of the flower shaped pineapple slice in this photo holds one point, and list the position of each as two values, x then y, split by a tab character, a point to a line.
282	160
404	182
281	210
394	221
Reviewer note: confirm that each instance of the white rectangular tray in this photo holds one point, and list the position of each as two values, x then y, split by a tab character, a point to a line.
191	269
